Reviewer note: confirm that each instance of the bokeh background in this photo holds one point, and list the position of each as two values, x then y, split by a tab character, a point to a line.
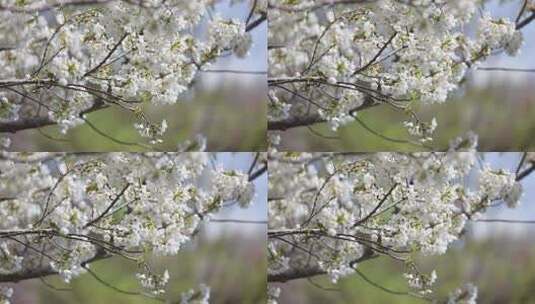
498	106
228	257
228	108
499	258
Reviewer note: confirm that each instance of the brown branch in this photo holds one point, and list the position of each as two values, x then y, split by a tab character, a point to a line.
526	21
373	60
43	7
317	6
295	273
302	121
523	174
256	23
251	12
44	271
294	122
25	123
257	173
107	56
98	218
49	197
383	200
311	271
40	121
238	221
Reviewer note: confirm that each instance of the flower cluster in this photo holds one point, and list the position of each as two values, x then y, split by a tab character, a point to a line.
196	297
329	212
5	294
8	111
9	262
331	59
421	282
422	130
81	208
154	132
234	185
230	35
155	283
466	294
67	62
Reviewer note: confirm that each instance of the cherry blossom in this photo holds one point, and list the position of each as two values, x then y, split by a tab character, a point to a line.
330	60
60	60
330	212
61	211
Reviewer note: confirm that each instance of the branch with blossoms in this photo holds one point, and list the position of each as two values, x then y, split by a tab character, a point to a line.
43	7
329	213
340	58
63	211
65	59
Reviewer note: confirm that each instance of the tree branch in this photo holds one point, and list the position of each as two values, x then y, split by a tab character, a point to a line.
43	7
40	121
25	123
257	22
295	273
115	200
311	271
298	121
44	271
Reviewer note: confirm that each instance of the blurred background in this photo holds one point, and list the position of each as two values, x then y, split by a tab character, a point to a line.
498	106
499	258
228	257
228	108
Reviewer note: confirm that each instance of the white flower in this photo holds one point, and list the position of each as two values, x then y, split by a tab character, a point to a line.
332	80
9	262
153	282
513	197
273	294
109	53
354	45
8	111
247	195
418	203
150	211
513	46
5	142
201	296
464	295
5	294
243	44
62	82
